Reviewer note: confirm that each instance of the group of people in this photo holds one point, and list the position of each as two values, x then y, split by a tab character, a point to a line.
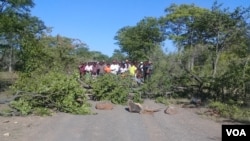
141	71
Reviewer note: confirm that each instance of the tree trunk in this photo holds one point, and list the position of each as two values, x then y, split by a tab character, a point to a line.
217	56
215	64
10	59
243	77
192	49
192	61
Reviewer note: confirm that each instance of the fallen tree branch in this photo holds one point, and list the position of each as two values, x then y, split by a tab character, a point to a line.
18	95
4	101
83	84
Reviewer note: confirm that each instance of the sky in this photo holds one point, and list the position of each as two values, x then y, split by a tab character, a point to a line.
96	22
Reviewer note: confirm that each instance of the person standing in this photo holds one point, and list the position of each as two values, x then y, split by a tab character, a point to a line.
123	69
82	69
101	68
94	69
107	68
89	67
127	64
147	70
132	69
114	67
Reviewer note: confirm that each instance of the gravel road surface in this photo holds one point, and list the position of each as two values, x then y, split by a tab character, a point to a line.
114	125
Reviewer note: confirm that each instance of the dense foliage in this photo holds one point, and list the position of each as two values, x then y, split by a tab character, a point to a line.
213	50
140	41
231	111
54	90
211	62
212	58
114	88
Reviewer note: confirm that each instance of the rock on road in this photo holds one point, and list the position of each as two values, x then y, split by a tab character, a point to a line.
120	125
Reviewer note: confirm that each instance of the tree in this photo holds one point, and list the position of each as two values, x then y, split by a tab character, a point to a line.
52	82
17	28
141	40
98	56
82	52
207	42
179	24
118	55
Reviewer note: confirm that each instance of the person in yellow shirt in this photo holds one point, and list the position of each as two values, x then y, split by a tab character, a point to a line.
132	69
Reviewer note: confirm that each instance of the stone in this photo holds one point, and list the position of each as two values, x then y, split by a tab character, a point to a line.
170	110
6	134
104	106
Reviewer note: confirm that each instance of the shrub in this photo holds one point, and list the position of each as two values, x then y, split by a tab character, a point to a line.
22	105
54	90
231	111
137	97
113	88
40	111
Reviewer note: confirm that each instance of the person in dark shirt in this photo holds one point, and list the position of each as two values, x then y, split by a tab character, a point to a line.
94	69
82	69
147	70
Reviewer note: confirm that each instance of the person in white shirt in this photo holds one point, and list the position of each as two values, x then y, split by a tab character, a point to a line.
89	67
123	69
114	67
127	64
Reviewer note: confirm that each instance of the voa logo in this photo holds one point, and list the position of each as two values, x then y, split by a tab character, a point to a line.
236	132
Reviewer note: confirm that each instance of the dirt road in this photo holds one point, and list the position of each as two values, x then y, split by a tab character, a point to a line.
115	125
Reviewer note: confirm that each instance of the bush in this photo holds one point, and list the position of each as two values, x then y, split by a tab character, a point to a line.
22	105
137	97
54	90
231	111
113	88
40	111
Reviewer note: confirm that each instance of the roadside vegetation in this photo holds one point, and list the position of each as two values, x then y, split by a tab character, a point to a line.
211	62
